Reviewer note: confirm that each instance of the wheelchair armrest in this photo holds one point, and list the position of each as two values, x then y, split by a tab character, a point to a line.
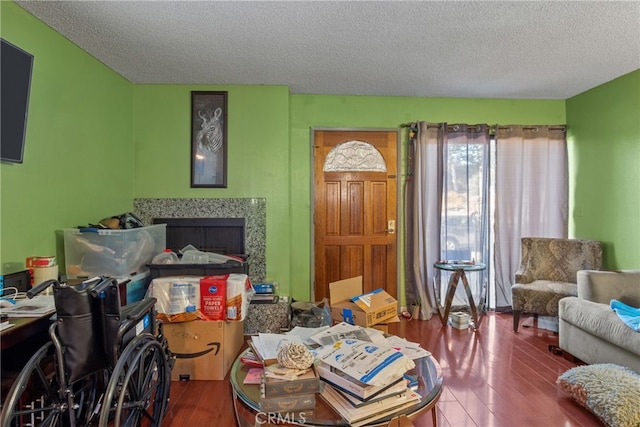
130	315
137	310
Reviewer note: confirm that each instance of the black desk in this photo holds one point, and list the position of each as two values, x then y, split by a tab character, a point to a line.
26	328
18	344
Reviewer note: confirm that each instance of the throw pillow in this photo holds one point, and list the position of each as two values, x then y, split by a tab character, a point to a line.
610	391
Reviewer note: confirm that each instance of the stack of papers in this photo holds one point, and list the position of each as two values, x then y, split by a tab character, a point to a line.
343	331
371	363
265	346
364	372
410	349
5	325
357	416
280	372
38	306
359	390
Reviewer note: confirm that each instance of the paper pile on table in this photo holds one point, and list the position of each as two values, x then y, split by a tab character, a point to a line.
365	380
363	373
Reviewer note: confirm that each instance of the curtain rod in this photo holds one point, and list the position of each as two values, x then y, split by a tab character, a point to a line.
410	125
530	127
491	128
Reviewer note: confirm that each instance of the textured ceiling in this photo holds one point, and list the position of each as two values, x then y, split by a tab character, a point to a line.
479	49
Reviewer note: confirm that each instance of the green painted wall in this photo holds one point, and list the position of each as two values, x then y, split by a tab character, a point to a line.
604	137
258	161
78	161
95	142
270	152
315	111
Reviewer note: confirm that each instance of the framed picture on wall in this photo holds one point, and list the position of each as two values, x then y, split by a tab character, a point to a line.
208	139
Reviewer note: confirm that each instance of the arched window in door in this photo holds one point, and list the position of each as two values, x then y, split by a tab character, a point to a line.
354	156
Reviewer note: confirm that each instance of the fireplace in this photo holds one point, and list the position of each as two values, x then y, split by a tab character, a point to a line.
225	226
219	235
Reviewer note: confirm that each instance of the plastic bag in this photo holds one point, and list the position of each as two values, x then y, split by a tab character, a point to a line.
169	257
192	255
177	298
312	315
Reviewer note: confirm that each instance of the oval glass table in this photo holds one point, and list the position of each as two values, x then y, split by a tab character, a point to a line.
246	398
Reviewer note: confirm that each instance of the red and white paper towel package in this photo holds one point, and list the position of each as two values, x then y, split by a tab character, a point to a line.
186	298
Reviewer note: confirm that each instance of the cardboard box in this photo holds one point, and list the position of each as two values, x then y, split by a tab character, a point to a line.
348	304
308	383
384	327
285	403
204	350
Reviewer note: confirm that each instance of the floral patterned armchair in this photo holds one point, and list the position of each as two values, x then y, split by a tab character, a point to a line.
547	273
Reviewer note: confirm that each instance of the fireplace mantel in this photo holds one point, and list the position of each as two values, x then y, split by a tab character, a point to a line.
252	210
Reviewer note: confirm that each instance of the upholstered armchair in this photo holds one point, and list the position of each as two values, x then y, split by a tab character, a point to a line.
547	273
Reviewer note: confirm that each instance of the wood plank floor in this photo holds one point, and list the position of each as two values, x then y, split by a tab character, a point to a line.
492	377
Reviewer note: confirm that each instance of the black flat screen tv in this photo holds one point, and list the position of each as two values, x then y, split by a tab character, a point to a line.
16	66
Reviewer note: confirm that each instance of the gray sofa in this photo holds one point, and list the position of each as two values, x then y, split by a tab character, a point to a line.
590	330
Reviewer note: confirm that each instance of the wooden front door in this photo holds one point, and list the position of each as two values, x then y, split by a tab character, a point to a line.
355	209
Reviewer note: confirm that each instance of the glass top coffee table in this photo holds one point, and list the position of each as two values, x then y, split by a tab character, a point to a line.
246	398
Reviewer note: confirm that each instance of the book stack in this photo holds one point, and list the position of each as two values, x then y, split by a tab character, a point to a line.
365	381
361	373
264	294
288	391
459	320
359	403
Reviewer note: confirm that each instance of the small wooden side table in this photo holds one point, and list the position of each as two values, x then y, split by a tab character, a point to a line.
458	270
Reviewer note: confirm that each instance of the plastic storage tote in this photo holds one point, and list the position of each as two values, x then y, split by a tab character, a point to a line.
116	253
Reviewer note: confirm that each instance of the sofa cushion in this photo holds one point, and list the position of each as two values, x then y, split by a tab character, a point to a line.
610	391
603	286
599	320
541	296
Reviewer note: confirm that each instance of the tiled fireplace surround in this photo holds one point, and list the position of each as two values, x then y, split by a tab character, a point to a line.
252	210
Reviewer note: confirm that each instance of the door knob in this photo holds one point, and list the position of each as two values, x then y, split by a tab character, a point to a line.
391	226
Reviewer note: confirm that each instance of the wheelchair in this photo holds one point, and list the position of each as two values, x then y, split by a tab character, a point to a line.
104	365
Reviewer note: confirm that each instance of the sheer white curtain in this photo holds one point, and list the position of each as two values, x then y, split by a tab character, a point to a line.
531	195
447	187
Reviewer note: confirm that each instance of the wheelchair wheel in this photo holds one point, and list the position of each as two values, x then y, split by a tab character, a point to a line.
35	398
138	391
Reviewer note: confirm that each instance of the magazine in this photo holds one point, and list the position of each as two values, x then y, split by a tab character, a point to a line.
254	376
